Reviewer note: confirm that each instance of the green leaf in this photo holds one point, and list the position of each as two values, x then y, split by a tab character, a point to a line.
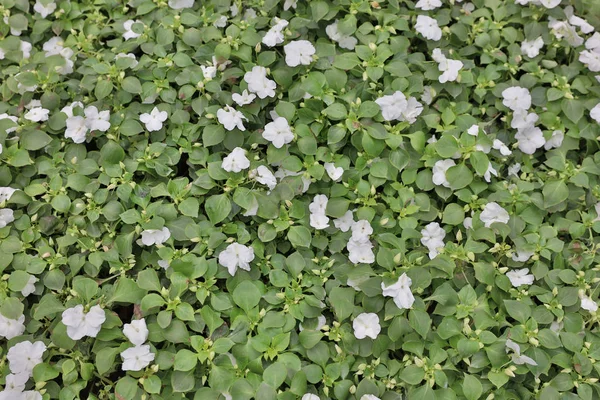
342	301
412	375
555	192
111	153
459	176
420	322
518	310
185	360
573	109
472	388
319	10
189	207
217	208
131	84
453	214
34	139
275	374
246	295
126	291
299	236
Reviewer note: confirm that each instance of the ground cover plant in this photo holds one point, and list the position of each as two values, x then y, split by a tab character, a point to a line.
268	199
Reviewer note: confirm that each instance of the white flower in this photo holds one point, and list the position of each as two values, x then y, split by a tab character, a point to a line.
6	193
253	208
266	177
44	9
361	229
473	130
412	111
236	256
516	98
595	113
6	217
428	95
236	161
221	22
317	207
522	256
562	29
319	221
129	33
335	173
448	67
520	277
345	41
25	49
258	83
550	3
531	48
80	324
136	331
392	106
230	118
530	139
361	251
24	356
428	27
274	36
164	264
489	172
307	396
137	358
493	212
154	120
591	59
366	324
432	237
208	72
593	41
514	170
67	68
400	292
500	146
37	114
523	120
131	56
76	129
555	140
181	4
597	209
428	5
98	120
33	103
53	46
278	132
16	382
299	52
29	286
10	328
516	356
345	222
468	223
12	118
439	172
286	6
244	98
68	110
587	303
369	397
155	236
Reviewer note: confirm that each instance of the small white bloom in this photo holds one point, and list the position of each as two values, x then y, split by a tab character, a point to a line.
253	208
25	49
439	172
274	36
361	251
68	110
489	172
299	52
520	277
428	94
221	22
468	223
155	236
392	106
432	237
258	83
44	9
344	41
523	120
266	177
10	328
286	6
555	140
335	173
6	217
307	396
516	97
209	72
448	67
319	221
6	193
531	48
278	132
593	41
530	139
591	59
129	33
345	222
361	229
29	286
154	120
428	27
588	304
550	3
236	256
319	204
76	129
516	355
16	382
164	264
493	212
244	98
80	324
400	292
473	130
369	397
136	331
53	46
428	5
37	114
230	118
500	146
236	161
366	324
99	120
595	113
24	356
514	170
181	4
522	256
137	358
412	111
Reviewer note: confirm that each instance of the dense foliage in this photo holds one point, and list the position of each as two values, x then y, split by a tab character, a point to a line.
310	200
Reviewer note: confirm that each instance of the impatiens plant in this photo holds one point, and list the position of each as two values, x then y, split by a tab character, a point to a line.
292	199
